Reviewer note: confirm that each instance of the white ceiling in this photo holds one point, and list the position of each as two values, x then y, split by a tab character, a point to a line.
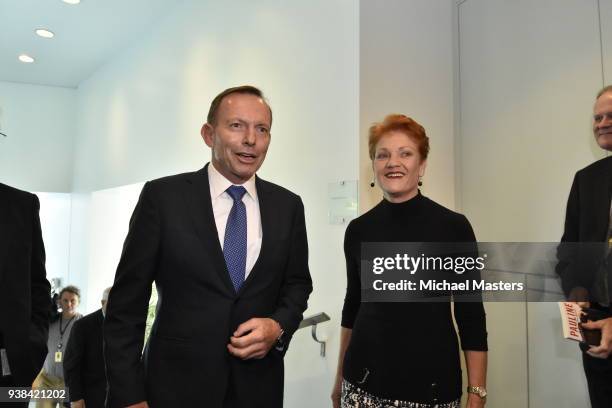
86	36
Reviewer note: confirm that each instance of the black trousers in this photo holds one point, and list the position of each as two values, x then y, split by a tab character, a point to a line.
245	400
599	378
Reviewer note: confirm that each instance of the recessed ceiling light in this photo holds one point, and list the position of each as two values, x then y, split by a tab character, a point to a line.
26	58
41	32
72	1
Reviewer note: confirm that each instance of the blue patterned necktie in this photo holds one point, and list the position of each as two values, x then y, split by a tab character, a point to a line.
235	241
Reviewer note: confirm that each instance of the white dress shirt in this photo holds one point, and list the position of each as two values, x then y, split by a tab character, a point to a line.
222	204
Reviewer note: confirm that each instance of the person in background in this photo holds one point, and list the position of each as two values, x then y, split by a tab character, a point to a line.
25	302
406	354
52	374
587	280
84	363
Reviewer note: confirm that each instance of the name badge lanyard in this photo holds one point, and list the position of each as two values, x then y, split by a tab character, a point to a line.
58	353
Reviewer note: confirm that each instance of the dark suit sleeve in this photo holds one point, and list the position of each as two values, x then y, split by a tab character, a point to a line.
470	314
298	284
352	299
40	295
128	302
73	363
569	252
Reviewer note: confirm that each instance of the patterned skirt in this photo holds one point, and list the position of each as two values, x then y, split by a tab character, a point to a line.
355	397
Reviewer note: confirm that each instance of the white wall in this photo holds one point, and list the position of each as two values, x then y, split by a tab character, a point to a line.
55	210
80	219
406	66
605	10
139	118
40	124
529	72
99	225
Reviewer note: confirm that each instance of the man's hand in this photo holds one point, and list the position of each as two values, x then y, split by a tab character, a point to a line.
142	404
78	404
254	338
604	350
474	401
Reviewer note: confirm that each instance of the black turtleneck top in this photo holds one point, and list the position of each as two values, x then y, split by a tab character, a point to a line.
407	351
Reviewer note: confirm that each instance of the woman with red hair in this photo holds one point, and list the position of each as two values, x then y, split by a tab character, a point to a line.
406	354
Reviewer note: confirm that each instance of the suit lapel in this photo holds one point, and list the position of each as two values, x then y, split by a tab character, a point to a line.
602	198
199	203
608	192
608	178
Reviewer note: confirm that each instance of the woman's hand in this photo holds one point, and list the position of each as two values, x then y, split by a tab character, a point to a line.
476	363
336	393
474	401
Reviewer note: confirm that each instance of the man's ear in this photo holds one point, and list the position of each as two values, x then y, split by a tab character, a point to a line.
207	133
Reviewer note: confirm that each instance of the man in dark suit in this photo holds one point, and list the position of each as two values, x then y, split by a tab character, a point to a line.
25	301
84	364
585	275
228	254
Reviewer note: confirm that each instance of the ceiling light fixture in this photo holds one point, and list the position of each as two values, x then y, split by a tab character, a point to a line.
44	33
72	1
26	58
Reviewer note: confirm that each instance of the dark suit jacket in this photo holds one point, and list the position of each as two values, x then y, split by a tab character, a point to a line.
84	364
173	241
586	221
25	301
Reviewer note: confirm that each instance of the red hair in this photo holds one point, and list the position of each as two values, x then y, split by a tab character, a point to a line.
399	123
